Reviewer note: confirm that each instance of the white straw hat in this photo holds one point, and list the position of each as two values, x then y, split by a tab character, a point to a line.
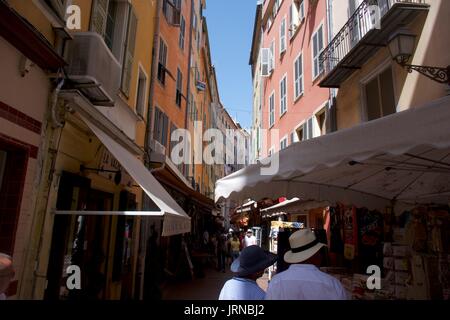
304	245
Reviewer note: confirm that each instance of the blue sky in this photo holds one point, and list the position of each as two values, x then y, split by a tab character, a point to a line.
230	27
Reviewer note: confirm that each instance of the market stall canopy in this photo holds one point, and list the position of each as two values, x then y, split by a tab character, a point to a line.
292	206
246	207
403	157
175	220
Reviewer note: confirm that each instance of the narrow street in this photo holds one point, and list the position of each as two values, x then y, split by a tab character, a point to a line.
207	288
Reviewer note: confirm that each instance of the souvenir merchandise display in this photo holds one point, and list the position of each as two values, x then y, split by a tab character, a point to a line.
411	249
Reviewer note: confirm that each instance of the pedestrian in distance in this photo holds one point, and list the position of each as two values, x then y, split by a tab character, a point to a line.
6	274
248	267
222	251
235	246
303	280
249	239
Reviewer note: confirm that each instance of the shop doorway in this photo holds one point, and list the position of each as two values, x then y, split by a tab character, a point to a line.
13	169
80	240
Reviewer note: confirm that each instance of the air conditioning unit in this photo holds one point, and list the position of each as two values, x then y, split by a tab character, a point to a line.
93	69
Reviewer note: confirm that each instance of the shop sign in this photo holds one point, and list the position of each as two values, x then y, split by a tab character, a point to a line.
108	162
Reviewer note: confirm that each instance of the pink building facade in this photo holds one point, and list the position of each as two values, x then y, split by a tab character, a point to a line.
294	33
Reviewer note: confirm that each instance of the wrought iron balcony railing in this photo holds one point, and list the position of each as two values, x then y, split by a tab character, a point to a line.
367	18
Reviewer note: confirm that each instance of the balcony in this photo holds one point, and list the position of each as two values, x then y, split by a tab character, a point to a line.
361	38
93	69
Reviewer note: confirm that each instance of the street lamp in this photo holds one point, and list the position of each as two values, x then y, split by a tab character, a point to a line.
401	46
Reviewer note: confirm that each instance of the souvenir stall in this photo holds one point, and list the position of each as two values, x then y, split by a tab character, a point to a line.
387	183
411	250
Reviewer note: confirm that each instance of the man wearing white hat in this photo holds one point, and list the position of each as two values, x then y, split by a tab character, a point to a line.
6	274
303	280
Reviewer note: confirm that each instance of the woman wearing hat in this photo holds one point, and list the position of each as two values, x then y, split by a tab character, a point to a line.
248	267
303	280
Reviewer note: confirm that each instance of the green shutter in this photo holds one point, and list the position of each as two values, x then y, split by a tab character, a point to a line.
99	16
129	53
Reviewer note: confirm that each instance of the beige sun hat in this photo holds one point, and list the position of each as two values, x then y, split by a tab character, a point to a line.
304	245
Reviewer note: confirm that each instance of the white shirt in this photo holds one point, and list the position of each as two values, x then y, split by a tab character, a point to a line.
249	241
305	282
241	289
2	296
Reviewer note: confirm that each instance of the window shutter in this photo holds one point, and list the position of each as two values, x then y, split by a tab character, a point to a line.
59	6
272	57
283	36
291	19
99	16
301	11
310	128
129	53
265	62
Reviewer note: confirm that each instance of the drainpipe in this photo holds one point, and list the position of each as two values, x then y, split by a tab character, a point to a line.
145	223
53	101
332	125
149	131
189	68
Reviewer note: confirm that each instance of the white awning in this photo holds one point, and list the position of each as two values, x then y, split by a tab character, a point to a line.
246	207
294	205
175	220
404	157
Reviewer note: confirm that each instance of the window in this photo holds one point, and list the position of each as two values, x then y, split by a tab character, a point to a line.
58	6
318	47
300	133
171	11
266	62
380	99
283	36
271	110
182	33
99	16
283	95
141	90
179	87
292	138
160	127
298	77
306	130
111	20
162	61
309	129
302	10
194	23
283	143
321	122
296	16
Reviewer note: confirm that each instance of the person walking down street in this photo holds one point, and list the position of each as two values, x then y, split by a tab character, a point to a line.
248	267
6	274
249	239
303	280
235	246
222	251
205	240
